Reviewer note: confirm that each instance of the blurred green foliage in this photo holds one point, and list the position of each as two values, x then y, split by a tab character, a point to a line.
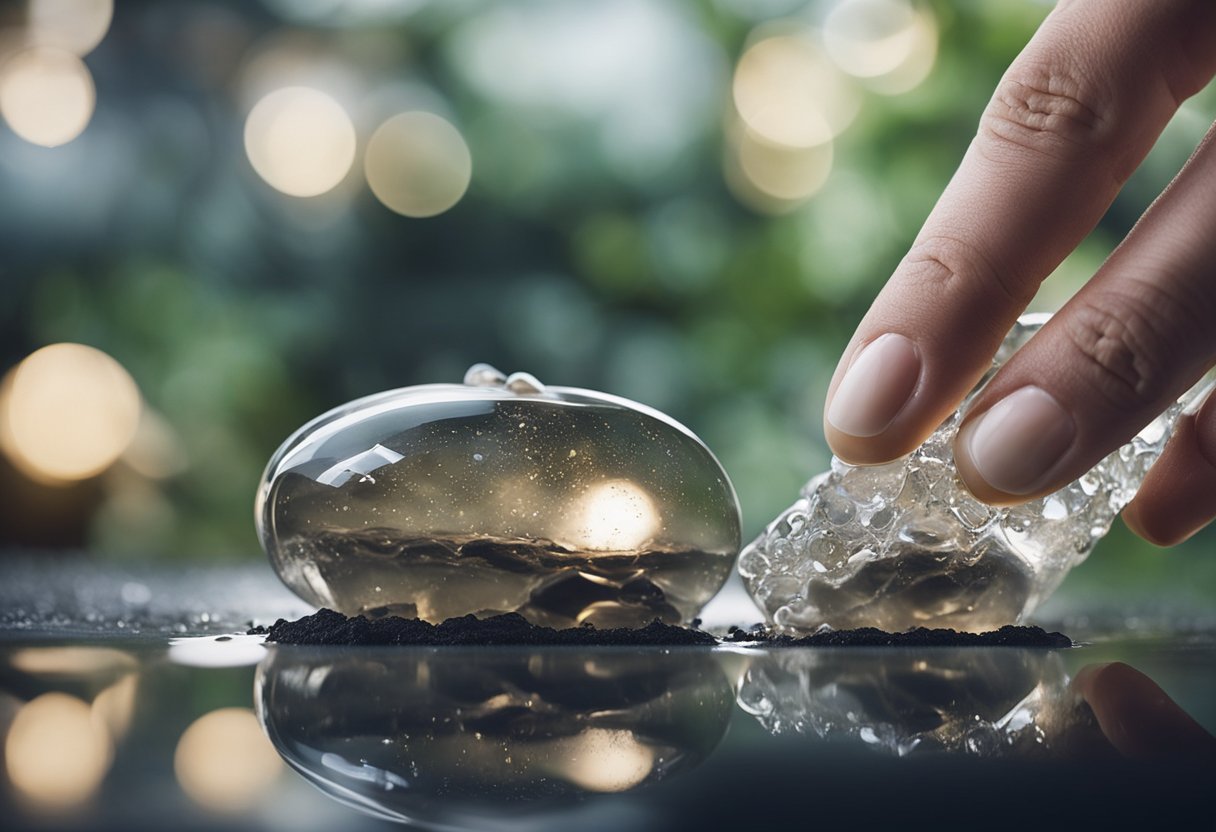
590	250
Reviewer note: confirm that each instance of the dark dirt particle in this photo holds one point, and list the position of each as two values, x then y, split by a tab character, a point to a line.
333	628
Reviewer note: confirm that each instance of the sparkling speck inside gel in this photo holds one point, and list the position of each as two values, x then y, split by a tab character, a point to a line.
500	495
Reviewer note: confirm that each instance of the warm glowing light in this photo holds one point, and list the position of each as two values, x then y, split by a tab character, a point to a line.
224	762
114	708
418	164
889	43
71	661
46	95
55	753
300	140
67	412
784	173
156	451
603	760
614	515
75	25
788	92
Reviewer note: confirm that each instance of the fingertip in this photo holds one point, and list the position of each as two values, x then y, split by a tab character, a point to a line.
868	450
973	480
1177	498
1149	525
1010	452
876	386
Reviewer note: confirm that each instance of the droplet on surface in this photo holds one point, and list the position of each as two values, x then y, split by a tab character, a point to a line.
492	512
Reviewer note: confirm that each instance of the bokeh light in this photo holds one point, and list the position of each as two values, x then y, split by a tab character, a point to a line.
67	412
114	707
788	91
46	95
56	753
418	164
156	451
890	44
224	762
73	25
79	661
788	174
300	140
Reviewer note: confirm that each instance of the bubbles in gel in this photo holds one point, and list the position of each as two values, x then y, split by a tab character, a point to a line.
906	545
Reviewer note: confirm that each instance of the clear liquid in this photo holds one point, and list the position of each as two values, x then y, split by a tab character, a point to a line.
376	572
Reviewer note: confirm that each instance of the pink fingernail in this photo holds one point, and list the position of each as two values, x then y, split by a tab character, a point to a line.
1016	443
876	387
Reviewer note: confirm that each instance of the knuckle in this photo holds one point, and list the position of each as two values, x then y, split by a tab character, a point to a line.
1125	352
942	263
1046	107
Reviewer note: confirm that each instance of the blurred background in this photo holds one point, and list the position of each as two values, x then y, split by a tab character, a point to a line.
219	219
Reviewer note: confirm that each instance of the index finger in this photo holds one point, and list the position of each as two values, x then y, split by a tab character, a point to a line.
1071	119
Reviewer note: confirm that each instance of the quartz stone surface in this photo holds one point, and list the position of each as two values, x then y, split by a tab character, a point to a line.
500	495
906	545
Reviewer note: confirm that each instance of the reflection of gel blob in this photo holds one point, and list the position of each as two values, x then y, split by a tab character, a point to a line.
502	738
905	545
990	703
500	495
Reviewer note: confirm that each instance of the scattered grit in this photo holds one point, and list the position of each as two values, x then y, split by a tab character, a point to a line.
334	628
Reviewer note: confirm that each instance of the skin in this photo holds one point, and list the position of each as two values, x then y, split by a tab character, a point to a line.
1138	718
1073	117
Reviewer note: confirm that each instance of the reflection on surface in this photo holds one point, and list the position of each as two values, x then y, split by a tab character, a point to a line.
956	700
34	751
59	745
989	703
223	761
128	733
459	737
1138	718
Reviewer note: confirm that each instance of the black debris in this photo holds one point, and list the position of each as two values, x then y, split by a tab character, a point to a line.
334	628
1007	636
329	627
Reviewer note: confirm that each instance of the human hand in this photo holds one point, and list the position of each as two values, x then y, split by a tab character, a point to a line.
1072	118
1138	718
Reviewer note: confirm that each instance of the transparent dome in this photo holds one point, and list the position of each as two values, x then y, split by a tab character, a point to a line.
500	495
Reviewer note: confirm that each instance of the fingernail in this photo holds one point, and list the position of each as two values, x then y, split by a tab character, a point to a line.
876	386
1014	445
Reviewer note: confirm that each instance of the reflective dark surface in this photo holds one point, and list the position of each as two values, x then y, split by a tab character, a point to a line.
104	728
473	738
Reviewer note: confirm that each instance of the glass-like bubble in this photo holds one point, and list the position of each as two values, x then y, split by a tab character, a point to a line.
499	495
906	545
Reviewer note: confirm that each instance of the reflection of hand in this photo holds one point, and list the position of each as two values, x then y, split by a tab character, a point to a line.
1137	716
1071	120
